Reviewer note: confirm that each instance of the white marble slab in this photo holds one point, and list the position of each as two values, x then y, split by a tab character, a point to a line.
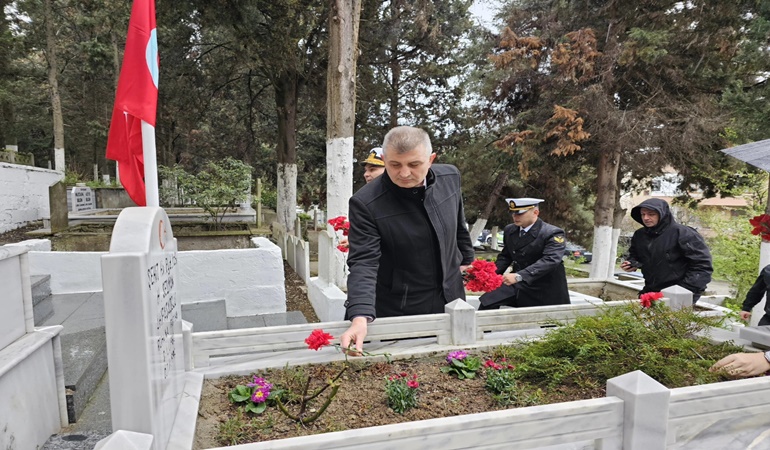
597	420
32	391
143	324
12	321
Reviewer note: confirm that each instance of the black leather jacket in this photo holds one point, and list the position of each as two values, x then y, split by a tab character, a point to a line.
406	248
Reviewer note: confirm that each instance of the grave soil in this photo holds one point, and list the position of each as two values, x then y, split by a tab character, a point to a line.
19	234
360	402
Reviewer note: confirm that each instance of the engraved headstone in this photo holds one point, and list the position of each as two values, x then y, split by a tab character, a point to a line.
143	324
82	199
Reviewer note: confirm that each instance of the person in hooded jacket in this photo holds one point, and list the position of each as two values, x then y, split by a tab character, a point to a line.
668	253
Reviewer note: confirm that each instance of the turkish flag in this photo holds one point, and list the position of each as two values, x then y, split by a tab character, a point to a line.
136	99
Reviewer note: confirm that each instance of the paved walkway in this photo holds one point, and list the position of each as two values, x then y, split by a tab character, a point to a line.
82	313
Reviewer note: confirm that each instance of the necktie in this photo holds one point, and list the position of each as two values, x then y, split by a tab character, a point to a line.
522	232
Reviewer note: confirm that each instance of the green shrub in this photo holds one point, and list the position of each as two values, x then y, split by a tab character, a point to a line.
218	187
735	252
269	198
667	345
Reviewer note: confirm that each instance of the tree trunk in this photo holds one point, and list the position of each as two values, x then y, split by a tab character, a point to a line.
395	73
617	224
395	66
481	222
607	175
116	73
344	18
286	87
58	120
341	104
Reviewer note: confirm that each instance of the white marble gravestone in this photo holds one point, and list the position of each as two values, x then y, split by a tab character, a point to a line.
143	324
12	319
83	199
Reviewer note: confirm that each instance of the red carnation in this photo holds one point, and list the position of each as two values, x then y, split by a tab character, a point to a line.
318	339
482	276
647	299
340	223
761	226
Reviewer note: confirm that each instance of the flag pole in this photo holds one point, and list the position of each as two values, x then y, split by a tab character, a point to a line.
150	165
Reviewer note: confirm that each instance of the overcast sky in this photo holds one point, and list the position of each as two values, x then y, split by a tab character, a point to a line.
484	11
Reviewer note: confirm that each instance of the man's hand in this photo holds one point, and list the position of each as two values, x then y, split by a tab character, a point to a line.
354	335
464	268
745	315
742	364
509	279
627	267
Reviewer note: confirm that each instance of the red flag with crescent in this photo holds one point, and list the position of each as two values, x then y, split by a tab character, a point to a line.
136	99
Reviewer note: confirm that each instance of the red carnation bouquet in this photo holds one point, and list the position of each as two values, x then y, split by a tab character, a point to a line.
341	223
761	226
482	276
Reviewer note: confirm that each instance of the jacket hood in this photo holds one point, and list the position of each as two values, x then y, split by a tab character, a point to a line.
655	204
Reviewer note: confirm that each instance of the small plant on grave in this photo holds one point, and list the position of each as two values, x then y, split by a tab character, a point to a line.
500	376
401	390
254	396
297	407
460	364
501	383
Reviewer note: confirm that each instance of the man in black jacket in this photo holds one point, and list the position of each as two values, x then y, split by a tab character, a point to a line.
408	241
533	249
667	252
758	291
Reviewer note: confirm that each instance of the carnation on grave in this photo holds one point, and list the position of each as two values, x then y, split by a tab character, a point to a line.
648	299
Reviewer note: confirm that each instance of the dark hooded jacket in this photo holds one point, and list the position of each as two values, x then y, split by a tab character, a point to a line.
406	246
758	291
669	253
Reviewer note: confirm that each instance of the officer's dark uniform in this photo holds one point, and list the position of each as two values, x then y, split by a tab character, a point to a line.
537	257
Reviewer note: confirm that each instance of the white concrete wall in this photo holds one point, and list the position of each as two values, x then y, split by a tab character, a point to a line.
250	280
24	194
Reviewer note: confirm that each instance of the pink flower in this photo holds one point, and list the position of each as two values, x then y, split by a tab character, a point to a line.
413	384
